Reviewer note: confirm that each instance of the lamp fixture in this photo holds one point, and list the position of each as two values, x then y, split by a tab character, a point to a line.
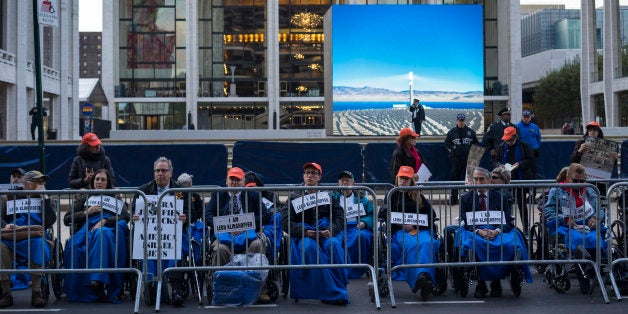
306	20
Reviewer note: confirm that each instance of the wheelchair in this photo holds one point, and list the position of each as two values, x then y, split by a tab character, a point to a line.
619	241
383	273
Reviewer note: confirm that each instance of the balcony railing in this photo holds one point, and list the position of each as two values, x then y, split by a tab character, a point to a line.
7	58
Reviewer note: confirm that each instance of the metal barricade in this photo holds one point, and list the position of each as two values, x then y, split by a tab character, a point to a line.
34	207
535	248
286	198
618	257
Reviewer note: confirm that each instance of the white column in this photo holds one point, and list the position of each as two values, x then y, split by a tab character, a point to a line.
272	63
110	56
515	88
192	62
24	45
588	61
612	63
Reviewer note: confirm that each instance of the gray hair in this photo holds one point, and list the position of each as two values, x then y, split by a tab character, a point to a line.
483	171
163	159
185	180
502	173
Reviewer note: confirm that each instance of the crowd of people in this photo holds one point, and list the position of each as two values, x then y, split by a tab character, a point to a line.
324	226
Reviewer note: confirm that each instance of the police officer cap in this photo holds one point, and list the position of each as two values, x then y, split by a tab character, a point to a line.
503	111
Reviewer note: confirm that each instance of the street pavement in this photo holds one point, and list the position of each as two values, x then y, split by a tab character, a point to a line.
535	298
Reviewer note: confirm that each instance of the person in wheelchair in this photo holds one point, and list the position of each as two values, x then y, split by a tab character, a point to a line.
312	226
233	203
570	215
100	231
488	230
273	230
412	243
359	215
18	212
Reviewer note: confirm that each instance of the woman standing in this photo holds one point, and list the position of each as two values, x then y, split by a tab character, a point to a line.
405	154
91	158
100	232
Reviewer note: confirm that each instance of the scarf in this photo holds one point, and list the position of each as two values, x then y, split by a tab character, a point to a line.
417	160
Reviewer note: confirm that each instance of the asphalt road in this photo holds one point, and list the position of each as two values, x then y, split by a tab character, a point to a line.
535	298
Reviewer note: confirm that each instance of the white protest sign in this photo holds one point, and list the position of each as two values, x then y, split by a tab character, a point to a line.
108	203
310	201
354	210
24	206
408	219
233	223
267	203
491	217
170	225
579	213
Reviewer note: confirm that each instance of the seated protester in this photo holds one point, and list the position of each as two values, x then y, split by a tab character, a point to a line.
412	243
100	233
479	235
359	227
312	228
272	230
570	212
36	250
235	203
162	173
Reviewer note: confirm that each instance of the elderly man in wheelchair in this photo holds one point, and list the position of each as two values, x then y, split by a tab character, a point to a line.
489	235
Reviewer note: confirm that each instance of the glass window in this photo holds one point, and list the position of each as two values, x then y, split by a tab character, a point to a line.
151	116
232	116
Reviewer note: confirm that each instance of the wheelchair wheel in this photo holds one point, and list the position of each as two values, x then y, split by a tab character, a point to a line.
272	287
537	246
384	291
150	294
618	228
209	289
441	272
45	286
463	285
56	279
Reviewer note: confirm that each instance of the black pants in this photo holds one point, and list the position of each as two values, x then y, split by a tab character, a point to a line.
417	126
458	172
33	127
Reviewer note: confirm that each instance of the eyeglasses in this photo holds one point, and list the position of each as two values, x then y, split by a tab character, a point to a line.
496	177
313	173
161	170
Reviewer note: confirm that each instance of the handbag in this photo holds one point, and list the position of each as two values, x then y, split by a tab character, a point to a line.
21	233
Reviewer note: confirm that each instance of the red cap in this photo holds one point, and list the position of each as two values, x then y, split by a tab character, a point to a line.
91	139
509	133
405	171
593	124
407	132
250	184
315	165
235	172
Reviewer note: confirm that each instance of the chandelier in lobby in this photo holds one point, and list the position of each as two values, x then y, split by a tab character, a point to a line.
306	20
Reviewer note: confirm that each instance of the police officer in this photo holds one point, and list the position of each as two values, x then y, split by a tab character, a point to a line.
493	135
458	143
531	135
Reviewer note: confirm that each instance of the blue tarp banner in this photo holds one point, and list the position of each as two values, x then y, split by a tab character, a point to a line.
133	164
624	159
281	163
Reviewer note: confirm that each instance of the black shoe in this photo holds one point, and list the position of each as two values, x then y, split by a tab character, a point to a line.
420	282
585	284
496	289
98	288
481	290
427	289
515	282
177	298
335	302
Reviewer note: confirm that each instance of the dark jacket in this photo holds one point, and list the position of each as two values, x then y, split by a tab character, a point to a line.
524	171
420	114
459	140
220	205
575	155
78	217
150	188
292	221
401	202
85	159
493	136
402	157
470	201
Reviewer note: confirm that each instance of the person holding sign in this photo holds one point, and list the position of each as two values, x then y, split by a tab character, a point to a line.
90	157
413	234
234	218
313	219
488	232
358	231
22	212
174	243
405	154
100	231
571	213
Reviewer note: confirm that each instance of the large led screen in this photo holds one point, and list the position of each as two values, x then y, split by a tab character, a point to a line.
378	51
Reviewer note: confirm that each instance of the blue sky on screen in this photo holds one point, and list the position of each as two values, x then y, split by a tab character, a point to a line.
378	45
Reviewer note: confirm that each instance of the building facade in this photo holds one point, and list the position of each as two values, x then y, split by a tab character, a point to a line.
17	70
90	54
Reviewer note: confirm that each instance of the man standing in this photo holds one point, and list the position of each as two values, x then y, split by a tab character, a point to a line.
35	119
458	143
418	115
495	131
531	135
